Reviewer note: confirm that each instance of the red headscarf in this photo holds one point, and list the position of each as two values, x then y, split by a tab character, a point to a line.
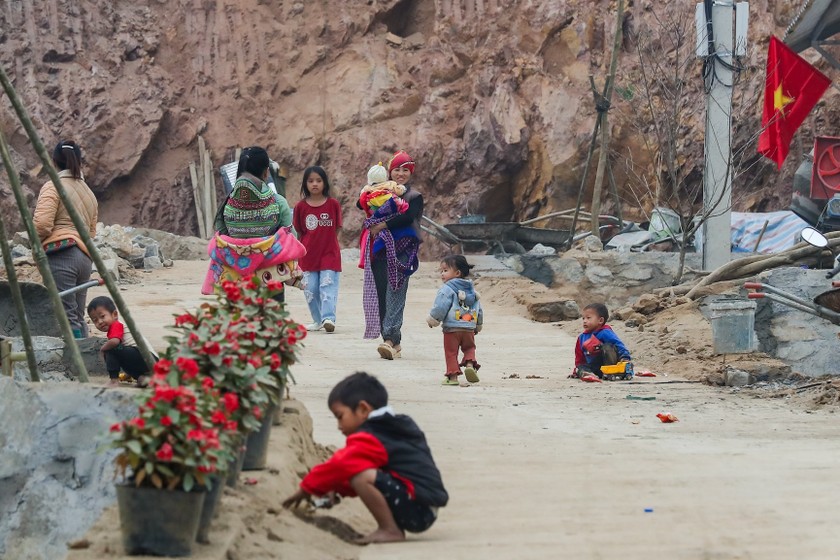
401	159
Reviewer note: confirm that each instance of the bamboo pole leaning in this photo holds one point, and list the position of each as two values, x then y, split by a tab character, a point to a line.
43	264
755	264
17	296
81	227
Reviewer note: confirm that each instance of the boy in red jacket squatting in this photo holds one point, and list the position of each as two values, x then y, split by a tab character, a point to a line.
598	345
386	462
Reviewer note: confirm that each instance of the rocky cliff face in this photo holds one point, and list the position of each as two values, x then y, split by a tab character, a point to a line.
491	97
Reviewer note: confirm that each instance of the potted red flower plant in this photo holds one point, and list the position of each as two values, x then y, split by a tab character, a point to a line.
179	439
246	343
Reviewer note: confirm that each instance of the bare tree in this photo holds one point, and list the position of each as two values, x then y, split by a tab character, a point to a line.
662	96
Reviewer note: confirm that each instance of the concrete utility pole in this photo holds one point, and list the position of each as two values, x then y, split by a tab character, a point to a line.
719	47
717	175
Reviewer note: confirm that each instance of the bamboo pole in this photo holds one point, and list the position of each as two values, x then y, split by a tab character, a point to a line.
81	227
17	296
42	262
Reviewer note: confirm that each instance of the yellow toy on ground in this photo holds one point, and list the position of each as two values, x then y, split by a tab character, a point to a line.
617	372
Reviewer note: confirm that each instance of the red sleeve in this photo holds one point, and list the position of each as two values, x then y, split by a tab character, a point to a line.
338	217
362	451
297	223
116	330
579	358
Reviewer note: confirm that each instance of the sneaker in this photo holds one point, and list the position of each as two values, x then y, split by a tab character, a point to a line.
313	327
447	380
471	374
328	325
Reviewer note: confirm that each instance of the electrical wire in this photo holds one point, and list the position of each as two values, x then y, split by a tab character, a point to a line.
711	61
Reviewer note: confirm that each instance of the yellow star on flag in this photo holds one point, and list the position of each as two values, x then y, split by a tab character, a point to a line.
780	100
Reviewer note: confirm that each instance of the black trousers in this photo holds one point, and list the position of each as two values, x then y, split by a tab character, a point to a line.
126	358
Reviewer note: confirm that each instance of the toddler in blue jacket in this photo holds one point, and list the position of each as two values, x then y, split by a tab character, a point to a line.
598	345
457	307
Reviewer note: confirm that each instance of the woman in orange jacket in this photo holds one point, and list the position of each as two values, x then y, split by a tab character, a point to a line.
68	256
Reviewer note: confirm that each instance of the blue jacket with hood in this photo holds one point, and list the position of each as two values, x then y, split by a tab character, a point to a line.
457	306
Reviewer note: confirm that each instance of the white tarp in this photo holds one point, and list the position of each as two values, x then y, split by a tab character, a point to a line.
782	231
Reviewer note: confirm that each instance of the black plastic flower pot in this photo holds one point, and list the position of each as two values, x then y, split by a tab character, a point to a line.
159	522
235	467
212	498
256	447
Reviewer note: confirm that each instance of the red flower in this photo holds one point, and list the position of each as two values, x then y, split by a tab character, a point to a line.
188	366
184	319
164	393
116	427
197	435
276	362
232	292
206	469
138	422
166	421
252	283
212	348
231	425
257	363
165	452
162	367
231	402
274	286
207	383
195	420
227	360
218	417
257	412
192	339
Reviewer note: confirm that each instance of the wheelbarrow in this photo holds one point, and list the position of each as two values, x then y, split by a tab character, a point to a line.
39	311
474	235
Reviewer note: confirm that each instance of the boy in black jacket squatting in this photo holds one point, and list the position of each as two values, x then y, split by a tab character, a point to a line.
386	462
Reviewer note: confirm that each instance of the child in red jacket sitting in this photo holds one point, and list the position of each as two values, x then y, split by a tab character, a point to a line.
386	462
598	345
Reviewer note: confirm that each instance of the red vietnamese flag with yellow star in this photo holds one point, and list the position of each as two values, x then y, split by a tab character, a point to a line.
791	90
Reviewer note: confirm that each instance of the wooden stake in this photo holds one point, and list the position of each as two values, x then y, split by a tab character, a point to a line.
82	230
605	125
209	194
199	213
17	296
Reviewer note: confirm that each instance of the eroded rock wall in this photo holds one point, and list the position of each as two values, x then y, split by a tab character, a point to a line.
490	96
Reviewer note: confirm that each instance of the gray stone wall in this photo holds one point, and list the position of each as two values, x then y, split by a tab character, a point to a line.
807	343
55	476
612	276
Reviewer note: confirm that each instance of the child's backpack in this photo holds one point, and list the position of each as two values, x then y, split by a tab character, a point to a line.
464	312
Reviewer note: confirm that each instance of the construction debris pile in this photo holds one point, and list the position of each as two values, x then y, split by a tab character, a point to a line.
125	250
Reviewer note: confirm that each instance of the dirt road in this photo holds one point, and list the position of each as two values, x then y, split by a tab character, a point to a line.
551	467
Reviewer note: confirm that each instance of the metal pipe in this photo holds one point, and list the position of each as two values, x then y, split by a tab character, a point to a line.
17	297
81	227
80	287
817	310
786	295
